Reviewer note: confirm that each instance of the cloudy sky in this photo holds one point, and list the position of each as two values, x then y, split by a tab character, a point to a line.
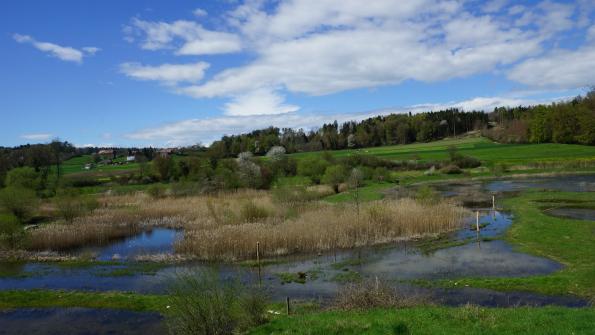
168	73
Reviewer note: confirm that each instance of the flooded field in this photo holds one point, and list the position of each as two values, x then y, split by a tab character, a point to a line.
464	253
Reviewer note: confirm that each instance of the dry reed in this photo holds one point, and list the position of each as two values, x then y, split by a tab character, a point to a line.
322	227
227	226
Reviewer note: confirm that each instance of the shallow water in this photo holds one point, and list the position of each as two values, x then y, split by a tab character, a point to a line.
573	213
79	321
571	183
154	241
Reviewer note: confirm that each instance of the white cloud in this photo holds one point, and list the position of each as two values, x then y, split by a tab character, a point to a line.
68	54
91	50
323	47
199	12
37	136
169	74
494	5
195	40
558	69
258	102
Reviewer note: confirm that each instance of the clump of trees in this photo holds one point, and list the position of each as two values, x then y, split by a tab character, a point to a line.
563	122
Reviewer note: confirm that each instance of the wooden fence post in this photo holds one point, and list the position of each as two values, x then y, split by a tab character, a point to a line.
287	305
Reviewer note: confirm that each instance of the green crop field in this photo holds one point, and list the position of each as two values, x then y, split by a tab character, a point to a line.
478	147
77	164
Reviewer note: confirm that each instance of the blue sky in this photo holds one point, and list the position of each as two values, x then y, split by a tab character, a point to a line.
169	73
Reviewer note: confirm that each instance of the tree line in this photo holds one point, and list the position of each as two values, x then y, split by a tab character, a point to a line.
376	131
561	122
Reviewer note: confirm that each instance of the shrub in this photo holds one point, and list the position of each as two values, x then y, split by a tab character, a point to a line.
334	175
201	303
451	169
12	234
466	162
83	181
373	294
313	167
250	212
156	191
427	195
71	205
19	201
24	177
499	169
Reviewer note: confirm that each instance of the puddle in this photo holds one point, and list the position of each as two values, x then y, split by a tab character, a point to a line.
571	183
155	241
33	321
572	213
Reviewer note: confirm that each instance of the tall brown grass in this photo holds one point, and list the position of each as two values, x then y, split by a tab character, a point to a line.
227	226
322	227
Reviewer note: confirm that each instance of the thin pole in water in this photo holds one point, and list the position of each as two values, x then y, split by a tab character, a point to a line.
258	263
287	304
477	220
493	202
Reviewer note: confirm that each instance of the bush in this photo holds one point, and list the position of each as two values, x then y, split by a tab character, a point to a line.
12	235
72	205
334	175
156	191
24	177
467	162
19	201
451	169
500	169
201	303
373	294
313	167
83	181
250	212
427	195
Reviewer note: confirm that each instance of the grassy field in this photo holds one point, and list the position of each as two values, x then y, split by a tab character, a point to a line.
77	164
570	242
439	320
478	147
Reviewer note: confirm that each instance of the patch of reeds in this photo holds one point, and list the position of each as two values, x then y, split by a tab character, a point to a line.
322	227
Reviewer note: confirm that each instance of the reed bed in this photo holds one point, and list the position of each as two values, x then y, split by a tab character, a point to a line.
321	228
227	226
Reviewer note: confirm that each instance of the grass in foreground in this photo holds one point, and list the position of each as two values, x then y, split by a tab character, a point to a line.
439	320
570	242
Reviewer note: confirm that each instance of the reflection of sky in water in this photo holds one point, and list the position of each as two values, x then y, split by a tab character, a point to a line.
494	258
573	213
157	240
79	321
579	183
